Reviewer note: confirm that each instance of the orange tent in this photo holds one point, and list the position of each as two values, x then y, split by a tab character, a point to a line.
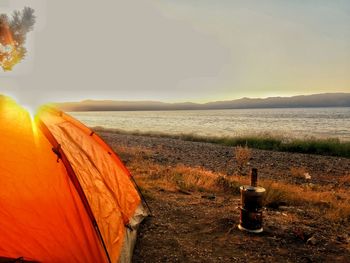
65	195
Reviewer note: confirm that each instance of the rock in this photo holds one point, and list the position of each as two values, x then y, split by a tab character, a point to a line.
307	176
209	197
342	240
311	241
285	208
184	192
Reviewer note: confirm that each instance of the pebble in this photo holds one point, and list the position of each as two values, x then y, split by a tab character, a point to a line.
312	241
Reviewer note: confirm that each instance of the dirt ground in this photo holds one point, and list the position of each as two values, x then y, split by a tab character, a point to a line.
196	227
189	228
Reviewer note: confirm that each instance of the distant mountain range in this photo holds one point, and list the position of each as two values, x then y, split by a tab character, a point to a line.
304	101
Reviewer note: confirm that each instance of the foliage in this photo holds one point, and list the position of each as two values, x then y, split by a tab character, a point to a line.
13	36
242	157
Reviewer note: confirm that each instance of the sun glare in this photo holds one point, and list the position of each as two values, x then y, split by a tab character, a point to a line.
31	110
26	115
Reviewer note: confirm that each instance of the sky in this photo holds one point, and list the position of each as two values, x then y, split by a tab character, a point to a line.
181	50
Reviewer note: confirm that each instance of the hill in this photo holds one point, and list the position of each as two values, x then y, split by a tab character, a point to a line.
316	100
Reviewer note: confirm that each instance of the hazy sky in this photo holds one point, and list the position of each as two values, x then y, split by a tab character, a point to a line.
182	50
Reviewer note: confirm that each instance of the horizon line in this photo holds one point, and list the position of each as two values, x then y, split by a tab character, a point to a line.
188	101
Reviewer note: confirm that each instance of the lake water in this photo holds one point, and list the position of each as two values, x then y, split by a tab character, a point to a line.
295	123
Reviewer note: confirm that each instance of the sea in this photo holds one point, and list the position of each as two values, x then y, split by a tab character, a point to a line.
282	122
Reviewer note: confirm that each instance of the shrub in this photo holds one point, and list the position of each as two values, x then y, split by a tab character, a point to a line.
242	156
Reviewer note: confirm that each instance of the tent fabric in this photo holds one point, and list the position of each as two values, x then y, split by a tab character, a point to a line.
87	130
131	235
43	216
108	188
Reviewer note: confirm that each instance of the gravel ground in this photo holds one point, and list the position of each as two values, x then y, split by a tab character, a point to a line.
192	228
218	158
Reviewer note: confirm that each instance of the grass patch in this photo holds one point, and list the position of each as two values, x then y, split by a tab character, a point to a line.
330	147
242	156
151	177
333	204
298	172
182	178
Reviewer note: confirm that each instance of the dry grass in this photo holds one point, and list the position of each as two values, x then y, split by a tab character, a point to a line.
298	172
137	153
176	178
242	157
344	180
334	205
340	213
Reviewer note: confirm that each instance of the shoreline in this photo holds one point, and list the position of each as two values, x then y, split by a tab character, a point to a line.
274	165
319	146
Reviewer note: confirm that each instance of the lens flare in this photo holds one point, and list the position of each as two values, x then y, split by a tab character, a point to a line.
31	111
24	116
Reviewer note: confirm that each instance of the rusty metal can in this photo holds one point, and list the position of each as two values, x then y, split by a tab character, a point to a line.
251	219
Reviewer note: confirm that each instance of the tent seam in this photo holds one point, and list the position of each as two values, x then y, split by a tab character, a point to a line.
71	174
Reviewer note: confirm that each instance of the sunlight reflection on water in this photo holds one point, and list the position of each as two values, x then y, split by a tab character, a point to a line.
294	123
